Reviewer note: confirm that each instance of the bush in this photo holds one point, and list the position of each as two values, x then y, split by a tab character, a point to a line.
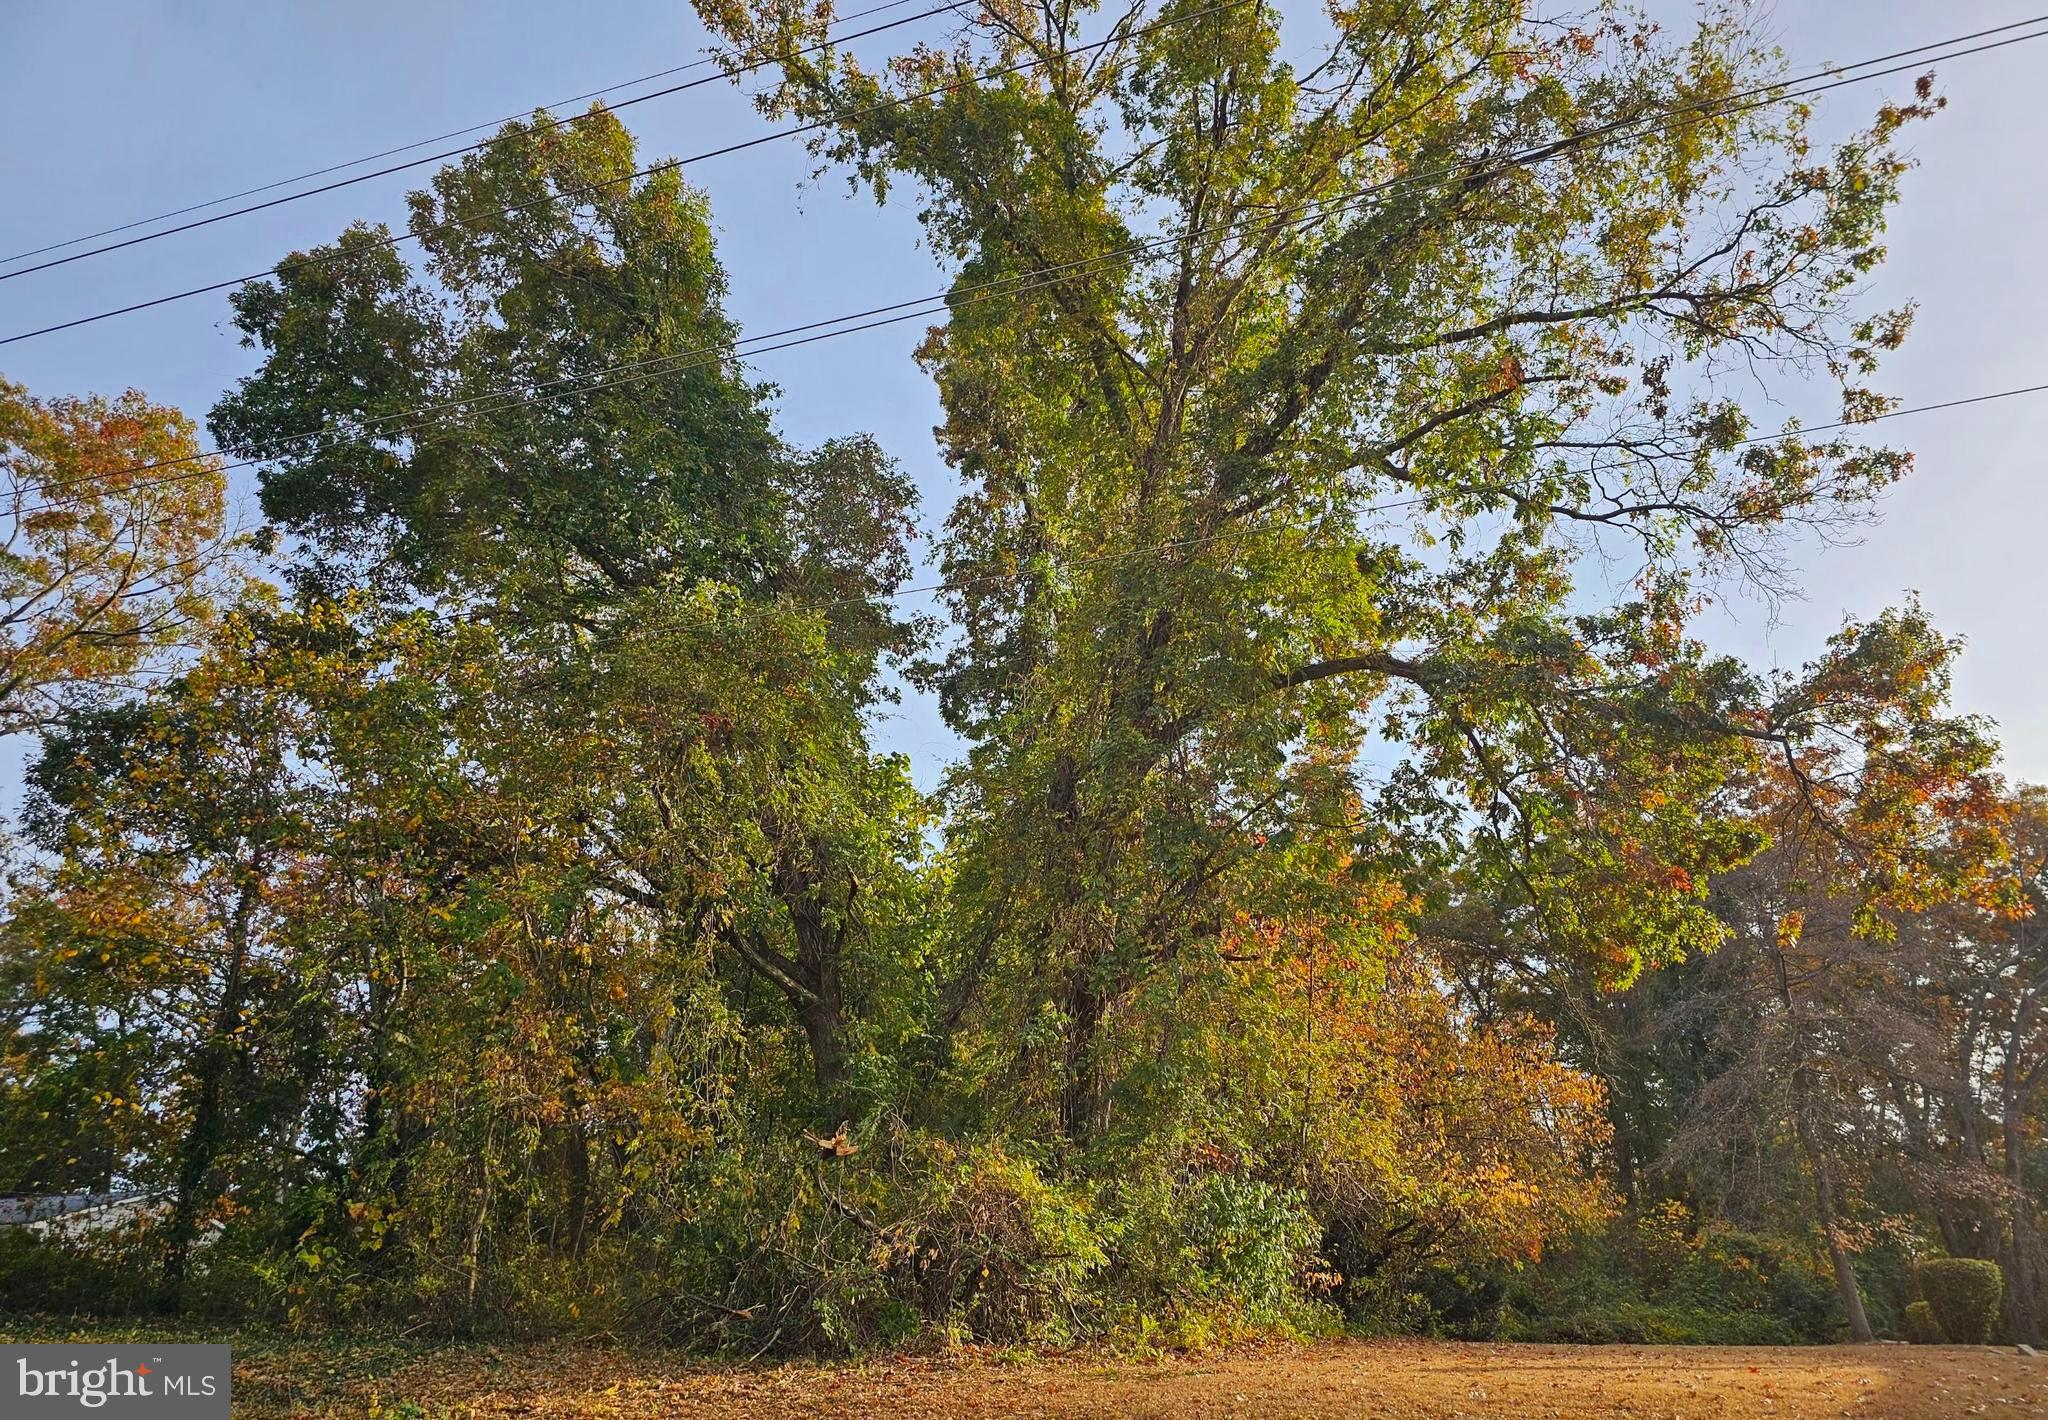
1750	1274
1468	1303
1652	1279
1963	1294
1214	1253
914	1239
1921	1327
1666	1237
1884	1268
1635	1323
993	1249
107	1274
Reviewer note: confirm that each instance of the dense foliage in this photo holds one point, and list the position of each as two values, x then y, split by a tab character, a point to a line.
1962	1293
501	917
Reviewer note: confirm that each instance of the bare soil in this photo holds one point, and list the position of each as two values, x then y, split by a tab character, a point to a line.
1393	1380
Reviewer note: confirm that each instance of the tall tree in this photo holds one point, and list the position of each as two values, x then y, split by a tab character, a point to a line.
1983	979
596	468
1234	342
1881	807
151	941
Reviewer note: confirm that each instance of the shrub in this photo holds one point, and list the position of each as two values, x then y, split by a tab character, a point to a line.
1801	1296
1921	1327
913	1236
992	1247
1214	1253
1465	1302
1666	1237
1635	1323
1752	1274
1963	1294
113	1273
1249	1240
1646	1283
1884	1267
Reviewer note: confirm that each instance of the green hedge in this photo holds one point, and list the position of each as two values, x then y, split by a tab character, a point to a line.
1963	1293
1921	1327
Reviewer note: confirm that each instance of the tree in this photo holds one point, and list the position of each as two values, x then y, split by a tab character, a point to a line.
152	938
1215	318
1983	979
603	482
114	550
327	946
1880	806
513	923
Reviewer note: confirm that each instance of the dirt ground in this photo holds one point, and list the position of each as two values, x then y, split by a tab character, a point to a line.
1358	1380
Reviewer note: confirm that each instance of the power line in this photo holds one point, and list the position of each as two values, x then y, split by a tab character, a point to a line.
1892	414
445	154
898	101
498	123
1303	525
1957	403
936	303
670	165
953	299
955	584
409	147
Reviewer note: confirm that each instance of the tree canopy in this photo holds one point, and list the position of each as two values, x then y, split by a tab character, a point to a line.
1349	902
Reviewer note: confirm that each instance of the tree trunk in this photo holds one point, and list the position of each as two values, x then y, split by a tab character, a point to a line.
821	1008
1081	1103
206	1133
1622	1120
1826	1198
2022	1284
1830	1211
576	1164
824	1024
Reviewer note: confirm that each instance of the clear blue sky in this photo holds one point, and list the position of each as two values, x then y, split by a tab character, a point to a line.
115	111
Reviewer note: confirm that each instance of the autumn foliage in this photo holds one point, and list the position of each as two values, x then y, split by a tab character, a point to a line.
496	908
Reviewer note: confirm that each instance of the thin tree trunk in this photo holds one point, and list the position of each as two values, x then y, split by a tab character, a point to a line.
1830	1212
825	1030
1826	1197
576	1164
820	956
1621	1118
1080	1073
205	1135
2022	1284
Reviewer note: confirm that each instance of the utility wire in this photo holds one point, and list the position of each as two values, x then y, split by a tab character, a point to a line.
500	122
956	584
407	148
445	154
670	165
957	298
1957	403
394	240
